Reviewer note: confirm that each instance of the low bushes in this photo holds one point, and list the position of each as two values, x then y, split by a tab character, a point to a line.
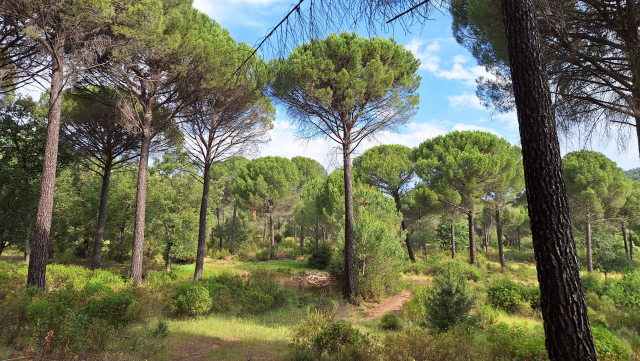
513	297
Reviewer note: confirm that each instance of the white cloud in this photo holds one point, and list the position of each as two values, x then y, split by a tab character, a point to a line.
460	59
467	75
285	143
511	118
428	61
465	100
462	127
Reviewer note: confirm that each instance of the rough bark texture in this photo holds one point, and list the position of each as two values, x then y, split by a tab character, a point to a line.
349	266
141	208
472	239
630	246
564	310
626	241
453	241
589	248
202	226
38	263
503	262
96	257
396	198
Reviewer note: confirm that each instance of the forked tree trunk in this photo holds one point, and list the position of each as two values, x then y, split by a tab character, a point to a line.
453	241
96	257
41	235
403	227
472	238
141	206
564	309
349	266
503	262
202	225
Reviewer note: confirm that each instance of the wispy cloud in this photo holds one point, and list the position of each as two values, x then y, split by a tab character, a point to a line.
465	100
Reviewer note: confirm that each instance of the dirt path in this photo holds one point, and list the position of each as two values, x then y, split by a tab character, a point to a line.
391	304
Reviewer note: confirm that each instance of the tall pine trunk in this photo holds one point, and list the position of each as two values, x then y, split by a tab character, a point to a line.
396	198
233	227
349	266
272	254
626	241
96	257
202	225
41	235
630	246
503	262
589	248
564	309
141	204
472	238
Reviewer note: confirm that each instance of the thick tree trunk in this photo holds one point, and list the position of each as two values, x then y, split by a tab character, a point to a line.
202	225
564	310
453	241
503	262
396	198
233	227
472	239
38	263
626	241
96	257
141	207
272	254
349	266
589	250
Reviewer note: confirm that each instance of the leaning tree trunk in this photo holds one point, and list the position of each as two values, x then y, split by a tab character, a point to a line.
38	263
272	254
396	198
589	249
472	238
233	227
141	205
453	240
564	309
503	262
202	225
349	266
96	257
626	241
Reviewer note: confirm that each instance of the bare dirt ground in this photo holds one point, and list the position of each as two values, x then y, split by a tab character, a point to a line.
391	304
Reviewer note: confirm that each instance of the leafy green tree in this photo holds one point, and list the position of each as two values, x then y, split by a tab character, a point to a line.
628	214
22	138
167	51
308	170
67	33
390	169
515	220
597	189
347	89
103	145
505	188
266	183
458	168
119	228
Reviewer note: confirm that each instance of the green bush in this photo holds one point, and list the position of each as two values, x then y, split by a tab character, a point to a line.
320	257
450	301
515	343
470	272
513	297
115	309
190	299
624	291
263	255
390	321
608	346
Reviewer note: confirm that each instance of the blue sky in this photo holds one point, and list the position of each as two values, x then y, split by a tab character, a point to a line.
447	90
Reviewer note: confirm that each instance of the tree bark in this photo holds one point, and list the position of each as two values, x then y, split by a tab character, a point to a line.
141	206
626	241
349	266
264	233
233	227
301	238
630	246
589	249
272	254
564	309
202	225
37	272
27	233
453	241
396	198
503	262
518	240
96	257
472	239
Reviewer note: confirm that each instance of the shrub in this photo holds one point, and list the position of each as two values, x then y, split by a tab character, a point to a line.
263	255
470	272
513	297
390	321
320	257
115	309
608	346
190	299
624	291
449	301
515	343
